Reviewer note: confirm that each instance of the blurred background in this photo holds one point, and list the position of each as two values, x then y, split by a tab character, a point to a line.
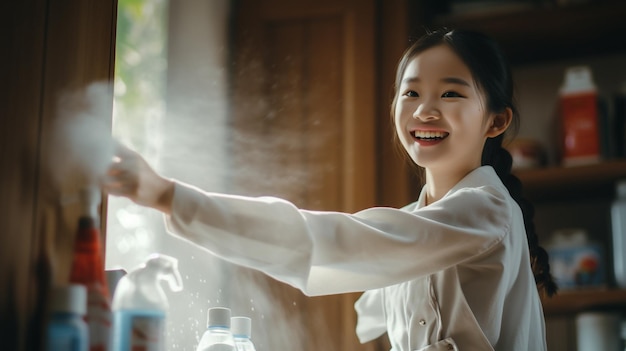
291	99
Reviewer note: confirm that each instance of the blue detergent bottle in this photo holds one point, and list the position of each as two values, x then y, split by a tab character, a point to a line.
140	305
67	330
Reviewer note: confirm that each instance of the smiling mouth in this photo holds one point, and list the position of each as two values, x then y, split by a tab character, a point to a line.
429	135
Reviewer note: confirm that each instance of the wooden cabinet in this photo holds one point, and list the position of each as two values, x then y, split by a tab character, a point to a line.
559	194
544	31
573	183
577	184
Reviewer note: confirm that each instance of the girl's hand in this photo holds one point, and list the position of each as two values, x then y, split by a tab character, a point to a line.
131	176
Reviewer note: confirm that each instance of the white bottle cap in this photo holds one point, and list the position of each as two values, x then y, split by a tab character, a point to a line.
241	326
219	317
71	298
578	79
90	198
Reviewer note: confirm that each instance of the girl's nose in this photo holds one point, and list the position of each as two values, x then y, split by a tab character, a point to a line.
426	112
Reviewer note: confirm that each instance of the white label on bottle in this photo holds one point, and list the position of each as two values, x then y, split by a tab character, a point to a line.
147	333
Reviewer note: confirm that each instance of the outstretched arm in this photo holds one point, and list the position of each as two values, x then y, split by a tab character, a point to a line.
131	176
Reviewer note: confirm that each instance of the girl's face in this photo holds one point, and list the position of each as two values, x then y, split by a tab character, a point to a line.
440	115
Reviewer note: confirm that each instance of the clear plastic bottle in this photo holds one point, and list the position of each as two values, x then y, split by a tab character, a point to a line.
242	331
618	228
140	305
218	336
67	330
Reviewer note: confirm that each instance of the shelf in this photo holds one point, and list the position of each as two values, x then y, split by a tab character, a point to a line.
570	302
572	183
550	32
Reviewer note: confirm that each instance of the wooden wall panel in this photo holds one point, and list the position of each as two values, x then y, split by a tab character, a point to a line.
325	130
311	66
397	183
22	70
49	46
304	92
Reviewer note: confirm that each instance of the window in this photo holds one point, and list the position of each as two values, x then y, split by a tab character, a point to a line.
169	82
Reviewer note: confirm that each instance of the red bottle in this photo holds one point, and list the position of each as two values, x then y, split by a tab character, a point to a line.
579	117
88	269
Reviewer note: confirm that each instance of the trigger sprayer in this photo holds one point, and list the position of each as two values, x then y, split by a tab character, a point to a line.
140	304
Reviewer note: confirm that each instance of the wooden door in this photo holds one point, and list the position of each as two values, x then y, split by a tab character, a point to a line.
304	129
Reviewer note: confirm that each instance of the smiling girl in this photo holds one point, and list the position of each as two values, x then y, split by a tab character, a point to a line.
459	269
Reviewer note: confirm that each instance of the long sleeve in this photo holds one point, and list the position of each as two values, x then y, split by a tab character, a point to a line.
332	252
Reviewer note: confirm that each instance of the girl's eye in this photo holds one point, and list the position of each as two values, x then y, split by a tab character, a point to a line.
451	94
411	93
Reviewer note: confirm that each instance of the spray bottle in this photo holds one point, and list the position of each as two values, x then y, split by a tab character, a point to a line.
140	304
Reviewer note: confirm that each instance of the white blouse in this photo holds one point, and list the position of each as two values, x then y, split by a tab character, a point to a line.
452	275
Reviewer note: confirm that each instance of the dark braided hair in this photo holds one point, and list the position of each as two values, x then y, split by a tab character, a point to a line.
490	70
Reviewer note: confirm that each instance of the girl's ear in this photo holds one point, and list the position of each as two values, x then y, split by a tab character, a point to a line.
499	123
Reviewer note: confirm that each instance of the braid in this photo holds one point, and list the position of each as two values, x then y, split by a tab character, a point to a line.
500	159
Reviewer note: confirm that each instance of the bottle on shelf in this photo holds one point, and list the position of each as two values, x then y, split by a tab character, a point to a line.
579	117
88	270
218	336
598	330
140	304
242	330
618	231
67	329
